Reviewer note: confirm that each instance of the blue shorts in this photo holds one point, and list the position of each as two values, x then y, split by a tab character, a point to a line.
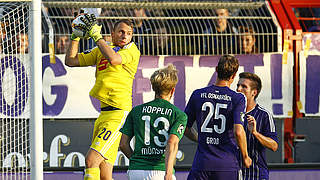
215	175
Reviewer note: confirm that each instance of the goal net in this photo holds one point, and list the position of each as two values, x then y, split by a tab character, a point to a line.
15	86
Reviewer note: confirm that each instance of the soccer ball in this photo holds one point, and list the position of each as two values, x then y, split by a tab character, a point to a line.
78	30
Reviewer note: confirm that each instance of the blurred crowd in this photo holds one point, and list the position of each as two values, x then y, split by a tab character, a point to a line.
176	31
164	32
158	31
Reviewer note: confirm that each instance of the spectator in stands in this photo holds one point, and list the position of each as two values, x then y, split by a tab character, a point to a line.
222	35
62	42
2	34
223	26
141	26
23	43
159	44
247	40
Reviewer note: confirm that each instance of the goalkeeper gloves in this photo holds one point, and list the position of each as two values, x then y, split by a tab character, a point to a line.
74	37
94	30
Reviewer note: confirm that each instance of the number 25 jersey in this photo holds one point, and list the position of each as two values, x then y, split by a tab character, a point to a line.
215	110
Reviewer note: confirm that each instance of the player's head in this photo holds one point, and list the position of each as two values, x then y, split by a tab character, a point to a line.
227	67
247	39
122	32
164	81
249	84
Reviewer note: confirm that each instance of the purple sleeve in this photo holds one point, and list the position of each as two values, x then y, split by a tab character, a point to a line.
269	129
239	110
190	111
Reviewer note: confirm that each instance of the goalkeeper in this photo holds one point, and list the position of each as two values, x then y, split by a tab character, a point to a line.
116	64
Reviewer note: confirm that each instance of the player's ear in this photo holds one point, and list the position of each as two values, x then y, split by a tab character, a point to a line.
172	92
234	75
254	92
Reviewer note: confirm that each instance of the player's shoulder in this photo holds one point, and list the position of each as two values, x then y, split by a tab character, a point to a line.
235	96
177	111
201	90
92	50
137	108
132	48
263	110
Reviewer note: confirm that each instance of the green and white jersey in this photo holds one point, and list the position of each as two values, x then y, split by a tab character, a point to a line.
151	124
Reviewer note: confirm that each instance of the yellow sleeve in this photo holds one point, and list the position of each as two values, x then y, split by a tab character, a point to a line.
88	58
129	53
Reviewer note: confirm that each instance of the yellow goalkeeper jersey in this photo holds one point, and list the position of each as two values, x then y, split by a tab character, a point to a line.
113	84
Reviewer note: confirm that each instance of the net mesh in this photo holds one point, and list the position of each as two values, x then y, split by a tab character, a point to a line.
175	28
14	90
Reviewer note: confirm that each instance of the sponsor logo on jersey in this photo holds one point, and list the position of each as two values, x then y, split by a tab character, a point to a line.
242	114
180	129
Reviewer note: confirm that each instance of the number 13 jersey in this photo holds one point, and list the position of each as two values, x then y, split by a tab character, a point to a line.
152	123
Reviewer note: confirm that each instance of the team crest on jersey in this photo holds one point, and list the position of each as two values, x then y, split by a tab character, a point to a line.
87	51
242	114
180	129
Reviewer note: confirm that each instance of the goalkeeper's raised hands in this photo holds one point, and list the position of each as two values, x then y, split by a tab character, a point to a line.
93	29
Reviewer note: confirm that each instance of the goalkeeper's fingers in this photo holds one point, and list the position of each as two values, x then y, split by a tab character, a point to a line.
92	19
86	21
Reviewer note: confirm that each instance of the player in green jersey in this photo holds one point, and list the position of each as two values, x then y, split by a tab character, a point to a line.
157	126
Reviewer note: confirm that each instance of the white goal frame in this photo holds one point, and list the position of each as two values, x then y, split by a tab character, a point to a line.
36	124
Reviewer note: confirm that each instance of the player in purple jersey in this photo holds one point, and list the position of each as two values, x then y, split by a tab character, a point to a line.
259	127
218	112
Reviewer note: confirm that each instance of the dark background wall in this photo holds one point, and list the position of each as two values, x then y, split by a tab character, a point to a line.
79	133
308	151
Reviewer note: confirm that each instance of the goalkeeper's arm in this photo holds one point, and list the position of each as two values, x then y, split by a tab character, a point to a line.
71	58
94	31
113	57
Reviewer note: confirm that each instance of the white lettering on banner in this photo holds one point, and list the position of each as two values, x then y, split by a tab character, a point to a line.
12	157
56	156
71	158
55	150
64	101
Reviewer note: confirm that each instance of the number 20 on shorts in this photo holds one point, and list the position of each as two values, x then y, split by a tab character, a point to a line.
104	134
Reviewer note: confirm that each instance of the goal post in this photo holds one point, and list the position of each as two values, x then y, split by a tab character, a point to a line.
21	138
36	123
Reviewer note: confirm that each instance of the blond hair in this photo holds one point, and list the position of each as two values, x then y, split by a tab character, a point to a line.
164	80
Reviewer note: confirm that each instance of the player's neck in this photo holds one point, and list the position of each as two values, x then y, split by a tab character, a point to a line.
223	83
167	98
251	104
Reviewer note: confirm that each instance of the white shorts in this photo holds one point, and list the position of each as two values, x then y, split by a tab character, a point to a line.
147	175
